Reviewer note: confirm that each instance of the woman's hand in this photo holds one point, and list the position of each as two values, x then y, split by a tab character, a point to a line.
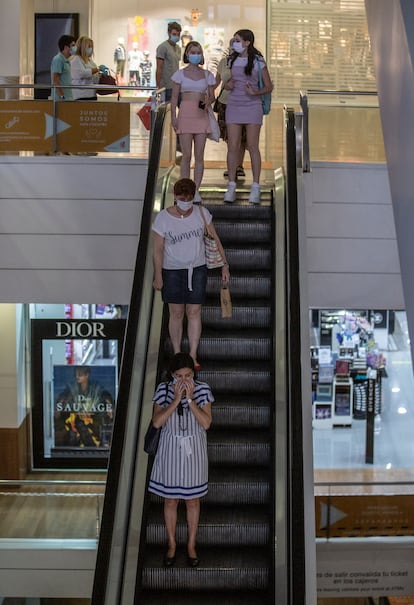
225	274
157	283
250	90
229	85
189	388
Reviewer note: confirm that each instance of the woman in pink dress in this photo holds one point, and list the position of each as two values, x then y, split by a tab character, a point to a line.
195	87
244	107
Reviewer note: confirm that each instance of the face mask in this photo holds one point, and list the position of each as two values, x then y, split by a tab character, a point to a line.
184	206
174	39
73	50
89	51
194	59
238	47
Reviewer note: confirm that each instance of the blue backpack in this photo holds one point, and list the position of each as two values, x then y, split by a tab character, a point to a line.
267	96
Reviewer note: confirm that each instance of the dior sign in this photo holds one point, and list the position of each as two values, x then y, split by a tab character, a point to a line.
82	329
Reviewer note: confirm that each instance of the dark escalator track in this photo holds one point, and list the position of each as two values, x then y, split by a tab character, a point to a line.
236	523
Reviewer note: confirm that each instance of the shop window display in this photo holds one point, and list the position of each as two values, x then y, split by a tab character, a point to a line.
348	358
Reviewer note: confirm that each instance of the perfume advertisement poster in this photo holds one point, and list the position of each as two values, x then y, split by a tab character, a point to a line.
84	406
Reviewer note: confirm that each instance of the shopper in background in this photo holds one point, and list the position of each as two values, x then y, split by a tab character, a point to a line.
222	76
84	70
168	55
182	407
195	86
60	69
180	270
244	107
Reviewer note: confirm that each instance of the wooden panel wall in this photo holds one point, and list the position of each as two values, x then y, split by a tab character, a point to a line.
14	452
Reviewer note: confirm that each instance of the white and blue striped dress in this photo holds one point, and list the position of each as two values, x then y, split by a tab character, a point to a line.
180	468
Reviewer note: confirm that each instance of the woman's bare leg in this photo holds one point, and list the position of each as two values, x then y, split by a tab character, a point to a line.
193	516
199	146
170	518
186	142
194	328
175	325
253	134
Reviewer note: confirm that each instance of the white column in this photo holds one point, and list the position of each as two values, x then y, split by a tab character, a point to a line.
16	38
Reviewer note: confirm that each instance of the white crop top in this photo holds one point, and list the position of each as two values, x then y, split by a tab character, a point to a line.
188	85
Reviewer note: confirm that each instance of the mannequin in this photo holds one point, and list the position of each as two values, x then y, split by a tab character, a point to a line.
120	57
134	61
146	69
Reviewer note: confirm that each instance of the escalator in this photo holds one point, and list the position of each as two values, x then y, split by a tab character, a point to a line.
236	523
251	535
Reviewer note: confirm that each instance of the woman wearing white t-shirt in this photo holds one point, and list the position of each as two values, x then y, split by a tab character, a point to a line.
180	270
84	70
195	88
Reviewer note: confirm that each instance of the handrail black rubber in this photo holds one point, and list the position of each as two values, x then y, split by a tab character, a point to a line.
295	507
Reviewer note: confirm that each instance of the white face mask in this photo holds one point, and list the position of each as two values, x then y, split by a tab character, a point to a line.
184	206
238	47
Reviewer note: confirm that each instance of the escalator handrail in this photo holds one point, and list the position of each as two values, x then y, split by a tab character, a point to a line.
295	491
135	317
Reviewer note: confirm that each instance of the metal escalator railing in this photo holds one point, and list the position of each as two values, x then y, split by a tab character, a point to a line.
137	382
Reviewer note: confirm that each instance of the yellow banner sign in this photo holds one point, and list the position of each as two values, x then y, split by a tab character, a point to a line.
80	126
353	516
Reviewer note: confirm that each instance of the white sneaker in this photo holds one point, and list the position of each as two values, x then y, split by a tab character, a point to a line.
230	194
197	197
254	197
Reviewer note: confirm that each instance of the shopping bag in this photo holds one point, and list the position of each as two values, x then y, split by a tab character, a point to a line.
144	113
214	135
212	253
225	301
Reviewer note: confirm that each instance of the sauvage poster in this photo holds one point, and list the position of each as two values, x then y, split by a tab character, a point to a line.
84	406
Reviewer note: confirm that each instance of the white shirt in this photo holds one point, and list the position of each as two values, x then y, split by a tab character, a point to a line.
183	238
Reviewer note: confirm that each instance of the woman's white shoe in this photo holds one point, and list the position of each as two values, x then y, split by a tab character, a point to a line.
254	197
230	194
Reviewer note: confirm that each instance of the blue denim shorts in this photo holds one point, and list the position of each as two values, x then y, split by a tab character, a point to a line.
175	286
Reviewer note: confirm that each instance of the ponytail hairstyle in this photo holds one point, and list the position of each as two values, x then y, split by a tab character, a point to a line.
252	53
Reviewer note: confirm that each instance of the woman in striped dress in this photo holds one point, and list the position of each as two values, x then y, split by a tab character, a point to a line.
182	407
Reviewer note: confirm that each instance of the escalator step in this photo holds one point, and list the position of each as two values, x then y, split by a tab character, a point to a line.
220	569
248	344
221	526
246	314
231	487
232	414
229	377
241	285
247	233
256	597
239	211
251	258
241	448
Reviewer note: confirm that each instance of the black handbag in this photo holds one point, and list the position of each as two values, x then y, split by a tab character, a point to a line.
151	439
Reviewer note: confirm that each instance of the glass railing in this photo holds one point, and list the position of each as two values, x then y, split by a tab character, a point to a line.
51	509
115	125
341	126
